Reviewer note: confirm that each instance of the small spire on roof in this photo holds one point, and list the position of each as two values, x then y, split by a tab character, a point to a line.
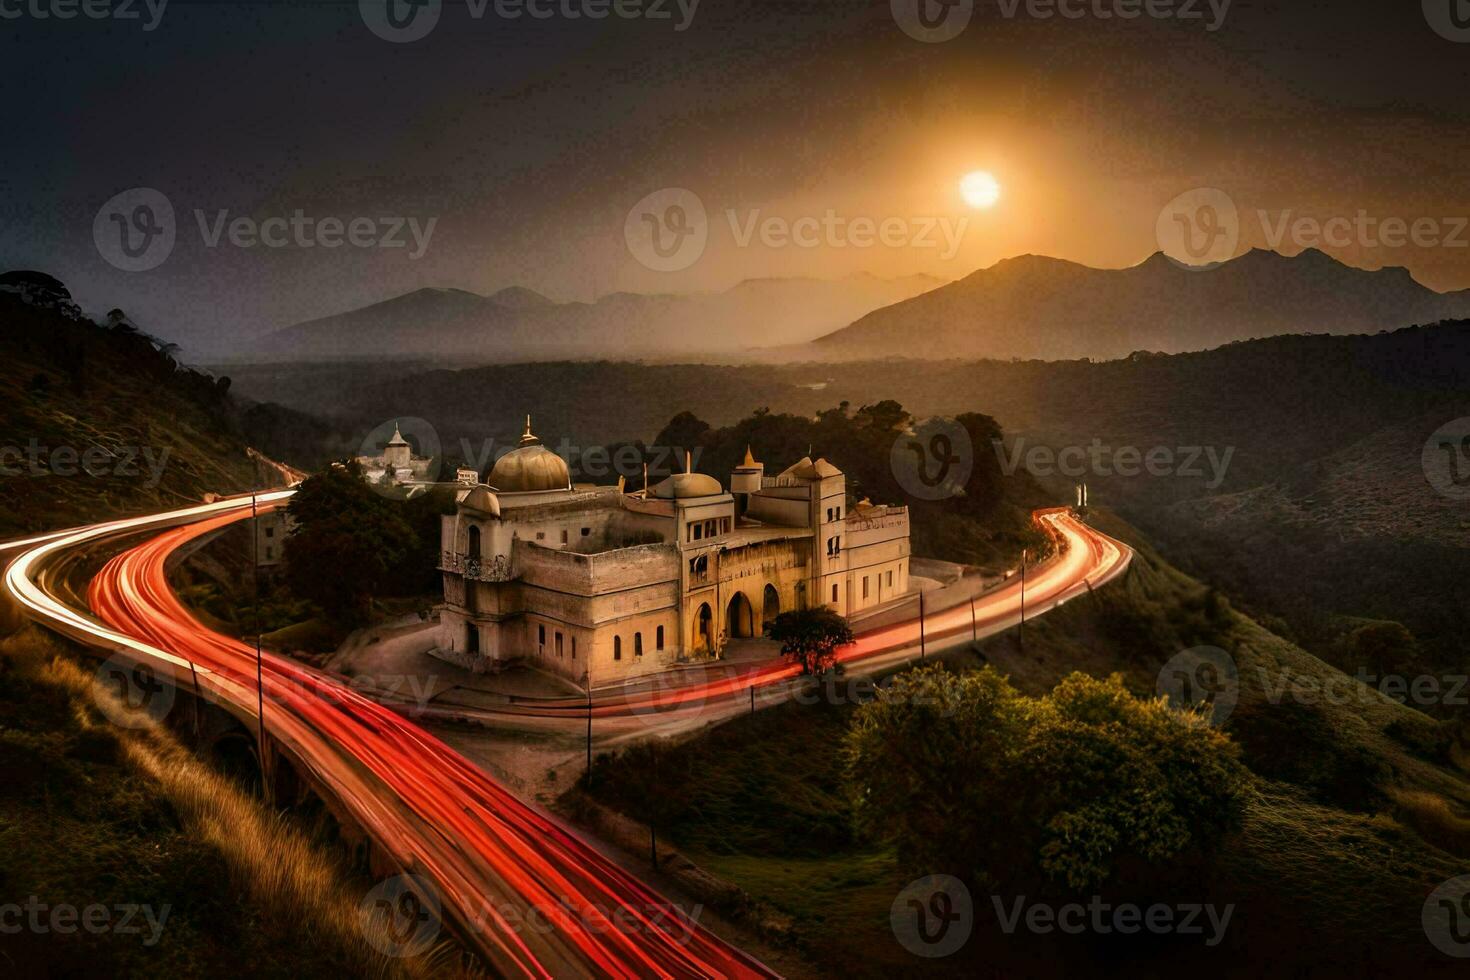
688	461
749	457
397	439
527	439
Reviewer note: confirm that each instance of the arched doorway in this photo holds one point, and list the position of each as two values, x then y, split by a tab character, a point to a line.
739	616
702	641
770	607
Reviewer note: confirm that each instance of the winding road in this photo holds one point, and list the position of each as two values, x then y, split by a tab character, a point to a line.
533	896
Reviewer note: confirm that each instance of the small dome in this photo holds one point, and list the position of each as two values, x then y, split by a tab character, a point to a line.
684	485
482	500
530	467
805	469
800	464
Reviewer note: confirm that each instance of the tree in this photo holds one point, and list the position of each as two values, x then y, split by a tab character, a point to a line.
348	545
1084	787
810	637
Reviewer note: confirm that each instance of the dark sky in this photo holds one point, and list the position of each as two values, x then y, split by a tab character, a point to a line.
528	141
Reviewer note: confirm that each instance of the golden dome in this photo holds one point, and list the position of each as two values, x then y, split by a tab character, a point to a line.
683	485
482	500
530	467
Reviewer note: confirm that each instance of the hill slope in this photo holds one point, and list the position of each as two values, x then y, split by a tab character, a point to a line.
1034	306
518	324
104	421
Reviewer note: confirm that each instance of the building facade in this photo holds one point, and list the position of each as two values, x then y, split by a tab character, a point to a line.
599	585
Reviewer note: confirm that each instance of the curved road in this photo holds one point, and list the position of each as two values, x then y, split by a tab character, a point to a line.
531	894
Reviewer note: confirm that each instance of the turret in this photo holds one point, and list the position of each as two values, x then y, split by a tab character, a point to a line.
746	480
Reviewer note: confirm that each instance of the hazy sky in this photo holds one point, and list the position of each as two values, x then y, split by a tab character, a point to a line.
528	141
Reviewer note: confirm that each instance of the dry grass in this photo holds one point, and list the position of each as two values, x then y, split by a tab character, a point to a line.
300	892
1433	818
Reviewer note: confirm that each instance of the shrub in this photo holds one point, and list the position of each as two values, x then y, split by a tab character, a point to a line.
964	775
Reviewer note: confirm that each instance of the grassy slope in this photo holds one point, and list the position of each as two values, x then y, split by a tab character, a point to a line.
90	813
1327	872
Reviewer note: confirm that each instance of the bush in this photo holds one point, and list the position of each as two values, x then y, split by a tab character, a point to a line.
964	775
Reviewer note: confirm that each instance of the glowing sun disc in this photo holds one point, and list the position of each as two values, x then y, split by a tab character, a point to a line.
979	189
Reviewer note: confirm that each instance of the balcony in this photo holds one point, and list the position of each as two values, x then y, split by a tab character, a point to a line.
493	569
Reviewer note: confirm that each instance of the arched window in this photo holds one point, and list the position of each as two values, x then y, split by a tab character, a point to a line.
637	644
474	542
617	648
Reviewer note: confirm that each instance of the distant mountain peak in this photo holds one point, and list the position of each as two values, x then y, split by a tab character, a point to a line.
520	298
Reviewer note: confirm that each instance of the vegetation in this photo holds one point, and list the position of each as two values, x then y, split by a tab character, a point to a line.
1348	815
351	543
104	419
965	775
93	814
809	638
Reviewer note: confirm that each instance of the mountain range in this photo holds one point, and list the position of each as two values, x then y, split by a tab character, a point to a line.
1037	307
520	324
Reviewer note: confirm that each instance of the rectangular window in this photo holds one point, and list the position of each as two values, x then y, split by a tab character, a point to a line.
890	580
658	638
558	643
270	532
563	537
540	535
586	531
574	647
617	648
270	553
834	592
727	525
637	644
865	586
698	531
541	638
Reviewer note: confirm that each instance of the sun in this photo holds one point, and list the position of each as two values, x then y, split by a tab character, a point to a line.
980	189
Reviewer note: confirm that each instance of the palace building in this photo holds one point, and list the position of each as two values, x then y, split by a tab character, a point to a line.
598	584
